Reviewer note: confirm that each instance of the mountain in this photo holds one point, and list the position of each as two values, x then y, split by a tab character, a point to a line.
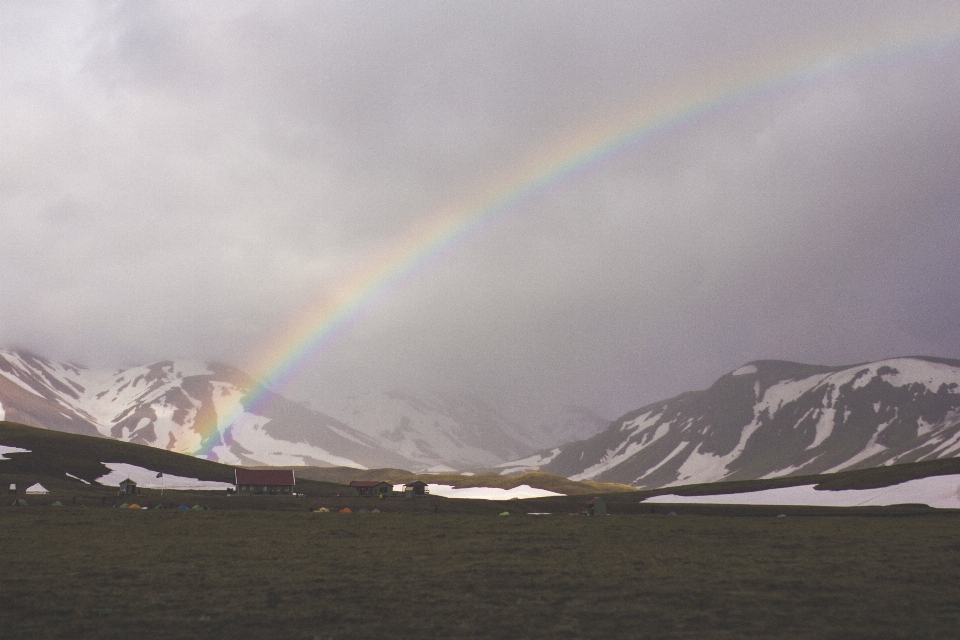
183	407
458	432
187	407
772	418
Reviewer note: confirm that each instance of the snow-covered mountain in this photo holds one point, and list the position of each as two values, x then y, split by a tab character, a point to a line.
180	406
464	432
188	407
771	418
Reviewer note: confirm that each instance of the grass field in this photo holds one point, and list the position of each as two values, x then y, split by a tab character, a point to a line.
107	573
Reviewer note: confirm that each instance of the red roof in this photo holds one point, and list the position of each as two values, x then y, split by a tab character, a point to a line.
367	483
265	477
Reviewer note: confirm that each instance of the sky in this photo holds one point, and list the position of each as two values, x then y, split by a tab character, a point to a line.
195	180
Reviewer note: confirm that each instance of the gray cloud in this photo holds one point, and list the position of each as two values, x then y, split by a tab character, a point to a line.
184	180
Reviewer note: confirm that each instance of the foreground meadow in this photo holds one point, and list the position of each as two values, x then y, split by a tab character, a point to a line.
107	573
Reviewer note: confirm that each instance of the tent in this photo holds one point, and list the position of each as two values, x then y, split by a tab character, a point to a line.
364	510
124	506
36	489
197	507
20	502
346	510
183	507
134	506
57	504
504	513
321	510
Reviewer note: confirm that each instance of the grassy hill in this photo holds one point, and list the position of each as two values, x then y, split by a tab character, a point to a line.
54	454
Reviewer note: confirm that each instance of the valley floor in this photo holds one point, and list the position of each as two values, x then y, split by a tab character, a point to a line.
110	573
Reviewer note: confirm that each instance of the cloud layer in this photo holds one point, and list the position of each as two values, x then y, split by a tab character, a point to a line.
186	180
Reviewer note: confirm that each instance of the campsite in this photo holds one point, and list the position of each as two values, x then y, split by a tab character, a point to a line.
324	561
110	573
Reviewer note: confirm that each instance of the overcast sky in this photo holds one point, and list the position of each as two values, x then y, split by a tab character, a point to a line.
187	179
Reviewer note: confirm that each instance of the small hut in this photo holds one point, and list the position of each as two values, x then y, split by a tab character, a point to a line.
13	488
596	507
128	487
415	489
37	489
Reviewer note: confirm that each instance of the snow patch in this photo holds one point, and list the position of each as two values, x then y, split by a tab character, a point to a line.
706	467
147	478
5	449
248	432
70	475
942	492
20	383
489	493
746	369
530	463
825	422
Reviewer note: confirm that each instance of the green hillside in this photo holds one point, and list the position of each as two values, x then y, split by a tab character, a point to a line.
54	454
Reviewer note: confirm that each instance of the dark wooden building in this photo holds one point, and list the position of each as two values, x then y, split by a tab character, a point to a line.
414	489
371	487
128	487
596	507
264	481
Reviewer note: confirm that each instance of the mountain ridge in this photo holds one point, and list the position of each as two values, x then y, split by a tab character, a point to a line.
770	418
184	406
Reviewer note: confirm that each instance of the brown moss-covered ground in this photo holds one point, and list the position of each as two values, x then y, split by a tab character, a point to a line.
95	572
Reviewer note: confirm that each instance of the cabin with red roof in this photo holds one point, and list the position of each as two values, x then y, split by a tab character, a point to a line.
371	488
264	482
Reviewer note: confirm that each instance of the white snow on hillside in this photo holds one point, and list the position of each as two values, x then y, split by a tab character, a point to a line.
5	449
936	491
70	475
489	493
147	478
530	463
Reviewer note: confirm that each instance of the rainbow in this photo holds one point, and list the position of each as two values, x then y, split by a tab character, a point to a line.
333	315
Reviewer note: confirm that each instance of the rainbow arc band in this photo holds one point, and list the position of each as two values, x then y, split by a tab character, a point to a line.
321	324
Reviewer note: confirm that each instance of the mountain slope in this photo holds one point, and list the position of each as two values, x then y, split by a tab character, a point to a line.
190	407
772	418
183	407
462	432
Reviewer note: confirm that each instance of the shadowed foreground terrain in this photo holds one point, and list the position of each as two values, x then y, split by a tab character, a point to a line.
109	573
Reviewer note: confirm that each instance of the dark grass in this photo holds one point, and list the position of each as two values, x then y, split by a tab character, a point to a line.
109	573
52	453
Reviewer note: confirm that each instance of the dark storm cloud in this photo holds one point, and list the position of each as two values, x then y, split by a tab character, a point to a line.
183	180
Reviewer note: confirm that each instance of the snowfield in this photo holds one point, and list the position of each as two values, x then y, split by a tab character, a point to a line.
5	449
942	492
489	493
147	478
